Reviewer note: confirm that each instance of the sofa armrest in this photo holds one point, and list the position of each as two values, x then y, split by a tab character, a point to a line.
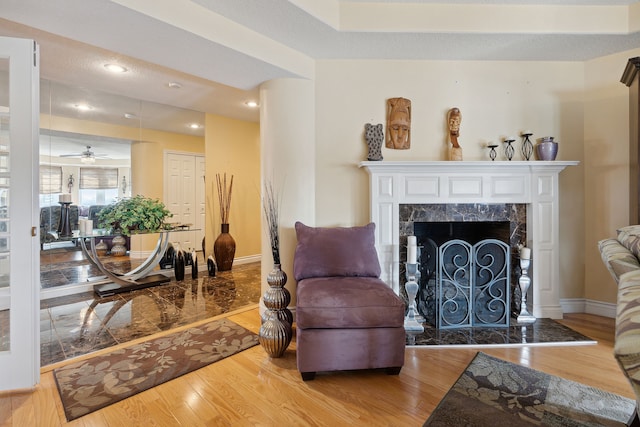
618	259
627	338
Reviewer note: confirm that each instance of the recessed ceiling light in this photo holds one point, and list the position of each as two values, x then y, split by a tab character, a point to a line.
194	126
83	107
174	85
252	104
115	68
130	116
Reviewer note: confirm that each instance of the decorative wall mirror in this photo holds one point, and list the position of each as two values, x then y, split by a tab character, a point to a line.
159	104
86	142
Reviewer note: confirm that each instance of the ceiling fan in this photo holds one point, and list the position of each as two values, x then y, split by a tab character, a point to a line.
87	156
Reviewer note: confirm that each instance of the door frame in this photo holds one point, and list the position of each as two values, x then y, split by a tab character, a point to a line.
20	365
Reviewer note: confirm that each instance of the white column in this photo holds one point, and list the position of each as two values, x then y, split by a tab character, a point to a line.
287	133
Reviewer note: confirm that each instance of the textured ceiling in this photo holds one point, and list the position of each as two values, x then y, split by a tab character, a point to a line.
221	50
303	32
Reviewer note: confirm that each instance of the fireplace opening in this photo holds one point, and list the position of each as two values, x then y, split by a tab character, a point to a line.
472	232
465	277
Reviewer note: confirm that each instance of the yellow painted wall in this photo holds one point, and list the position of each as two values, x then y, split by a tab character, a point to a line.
88	127
147	164
233	147
147	149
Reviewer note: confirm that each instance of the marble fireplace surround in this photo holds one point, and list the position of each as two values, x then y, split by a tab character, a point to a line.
531	183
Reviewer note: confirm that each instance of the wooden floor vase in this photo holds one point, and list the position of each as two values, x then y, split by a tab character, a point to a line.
224	249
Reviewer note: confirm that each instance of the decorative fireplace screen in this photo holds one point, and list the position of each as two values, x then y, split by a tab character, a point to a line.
473	284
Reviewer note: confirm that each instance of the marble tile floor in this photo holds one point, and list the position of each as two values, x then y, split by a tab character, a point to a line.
79	324
542	332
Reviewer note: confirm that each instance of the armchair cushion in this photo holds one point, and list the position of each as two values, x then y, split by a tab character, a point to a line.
335	251
347	302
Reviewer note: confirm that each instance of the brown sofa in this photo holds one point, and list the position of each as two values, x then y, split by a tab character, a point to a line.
346	317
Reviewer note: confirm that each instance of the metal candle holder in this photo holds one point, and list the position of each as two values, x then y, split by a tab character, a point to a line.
524	282
527	146
410	322
509	150
492	152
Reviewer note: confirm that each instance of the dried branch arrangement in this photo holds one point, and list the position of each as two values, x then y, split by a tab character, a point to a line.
224	197
270	206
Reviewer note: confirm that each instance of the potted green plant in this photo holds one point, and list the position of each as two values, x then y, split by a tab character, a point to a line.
135	214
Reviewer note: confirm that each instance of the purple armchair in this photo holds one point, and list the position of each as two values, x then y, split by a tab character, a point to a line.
346	317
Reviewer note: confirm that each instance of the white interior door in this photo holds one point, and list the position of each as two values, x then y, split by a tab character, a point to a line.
183	199
19	241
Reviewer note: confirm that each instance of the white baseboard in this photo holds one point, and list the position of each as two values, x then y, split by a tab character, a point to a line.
140	254
605	309
582	305
247	259
573	305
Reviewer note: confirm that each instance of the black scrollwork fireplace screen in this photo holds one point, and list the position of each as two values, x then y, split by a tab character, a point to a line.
473	284
490	278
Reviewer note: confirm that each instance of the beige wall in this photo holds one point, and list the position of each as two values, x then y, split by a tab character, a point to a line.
497	99
287	133
233	147
583	104
606	176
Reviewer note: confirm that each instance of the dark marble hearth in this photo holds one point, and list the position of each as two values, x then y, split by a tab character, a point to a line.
542	332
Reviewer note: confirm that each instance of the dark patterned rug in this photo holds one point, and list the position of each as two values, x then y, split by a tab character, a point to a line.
494	392
89	385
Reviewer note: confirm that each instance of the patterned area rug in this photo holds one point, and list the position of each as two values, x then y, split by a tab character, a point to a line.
89	385
493	392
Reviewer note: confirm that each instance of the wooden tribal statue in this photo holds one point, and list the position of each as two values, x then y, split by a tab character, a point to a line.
398	124
454	117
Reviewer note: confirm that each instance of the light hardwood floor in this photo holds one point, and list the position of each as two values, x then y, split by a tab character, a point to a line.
250	389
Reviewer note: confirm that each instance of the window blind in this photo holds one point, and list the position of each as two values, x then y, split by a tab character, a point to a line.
50	179
98	178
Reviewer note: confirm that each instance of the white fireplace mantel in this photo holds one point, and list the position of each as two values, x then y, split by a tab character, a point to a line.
534	183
